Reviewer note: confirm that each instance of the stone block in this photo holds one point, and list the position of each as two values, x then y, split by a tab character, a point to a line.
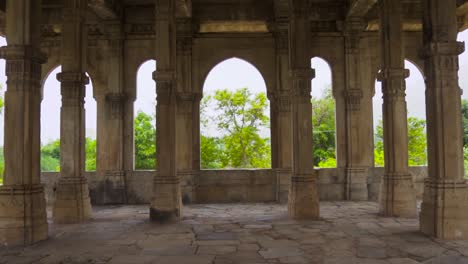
23	217
72	203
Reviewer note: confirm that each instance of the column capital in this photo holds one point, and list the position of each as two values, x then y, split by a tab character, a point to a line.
453	48
23	67
79	78
188	96
116	103
164	76
165	81
22	52
353	99
301	83
280	101
302	74
72	88
392	74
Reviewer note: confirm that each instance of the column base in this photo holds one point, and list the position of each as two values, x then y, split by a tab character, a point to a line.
72	203
23	215
166	204
188	185
303	202
397	196
356	183
444	212
110	188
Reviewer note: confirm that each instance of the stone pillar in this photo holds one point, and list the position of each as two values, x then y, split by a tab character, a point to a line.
444	211
280	105
110	142
166	203
22	200
72	203
110	154
187	104
357	167
303	202
397	191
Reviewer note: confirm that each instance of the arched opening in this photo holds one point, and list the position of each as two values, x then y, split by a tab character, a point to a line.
323	115
145	118
416	119
3	87
50	124
234	115
463	82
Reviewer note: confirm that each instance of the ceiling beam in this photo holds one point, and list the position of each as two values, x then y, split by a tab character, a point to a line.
360	8
106	9
184	8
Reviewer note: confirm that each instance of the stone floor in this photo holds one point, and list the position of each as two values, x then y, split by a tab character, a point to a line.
243	233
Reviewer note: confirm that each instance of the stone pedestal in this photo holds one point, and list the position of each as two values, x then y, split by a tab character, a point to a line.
111	188
303	198
397	198
23	215
166	204
356	183
72	203
444	210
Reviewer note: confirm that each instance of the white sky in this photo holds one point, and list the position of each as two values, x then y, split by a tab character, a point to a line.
231	74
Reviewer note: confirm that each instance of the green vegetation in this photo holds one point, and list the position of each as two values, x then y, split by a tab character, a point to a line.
417	146
239	117
323	121
145	142
50	156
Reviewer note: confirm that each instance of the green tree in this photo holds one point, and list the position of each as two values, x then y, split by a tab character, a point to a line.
465	121
145	142
212	152
323	121
417	146
50	156
239	116
90	149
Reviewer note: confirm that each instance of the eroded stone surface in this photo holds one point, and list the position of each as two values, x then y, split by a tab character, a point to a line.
347	233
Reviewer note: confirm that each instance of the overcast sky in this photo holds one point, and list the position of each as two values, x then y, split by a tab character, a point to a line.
230	74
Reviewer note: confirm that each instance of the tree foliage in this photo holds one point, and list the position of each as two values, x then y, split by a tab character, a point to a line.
417	146
239	117
323	121
50	156
145	142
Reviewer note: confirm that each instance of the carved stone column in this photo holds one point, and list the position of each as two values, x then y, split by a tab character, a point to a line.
357	167
110	154
280	107
445	202
72	204
111	101
166	203
22	201
188	103
188	168
397	192
303	200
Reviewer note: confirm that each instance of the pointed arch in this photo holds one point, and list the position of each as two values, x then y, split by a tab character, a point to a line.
323	114
145	117
227	139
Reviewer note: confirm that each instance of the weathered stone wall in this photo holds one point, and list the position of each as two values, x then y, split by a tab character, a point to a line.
230	186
